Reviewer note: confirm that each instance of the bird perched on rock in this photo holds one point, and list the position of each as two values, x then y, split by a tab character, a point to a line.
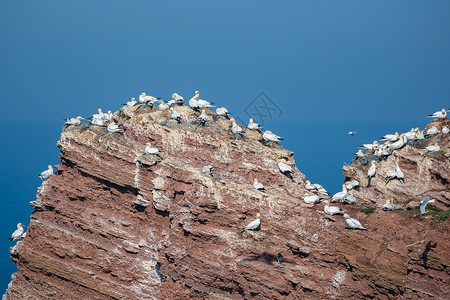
433	148
284	167
174	115
353	223
177	99
97	122
147	100
309	186
321	189
340	196
150	150
268	136
445	131
254	225
371	172
196	103
390	137
359	154
396	173
73	121
331	210
203	119
253	125
47	173
442	114
311	198
387	205
98	116
349	199
107	116
130	103
223	112
257	185
400	143
354	183
113	127
424	203
17	234
352	133
372	146
236	130
432	131
207	169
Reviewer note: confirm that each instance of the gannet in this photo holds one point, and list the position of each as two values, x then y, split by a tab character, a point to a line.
47	173
98	116
144	99
268	136
311	199
396	173
350	199
348	185
130	103
359	154
17	234
332	210
107	116
353	223
207	169
174	115
433	148
197	103
372	146
387	205
253	225
223	112
150	150
203	118
432	131
113	127
439	114
354	183
420	135
235	128
445	130
257	185
424	202
352	133
410	135
309	186
165	105
252	125
177	99
284	168
390	137
398	144
321	189
340	195
73	121
98	122
371	172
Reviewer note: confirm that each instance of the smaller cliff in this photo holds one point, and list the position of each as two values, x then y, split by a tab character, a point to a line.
115	224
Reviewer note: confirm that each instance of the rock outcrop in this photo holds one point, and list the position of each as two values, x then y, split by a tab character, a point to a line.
115	224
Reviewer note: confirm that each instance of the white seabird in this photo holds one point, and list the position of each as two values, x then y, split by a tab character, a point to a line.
203	118
73	121
98	116
197	103
284	168
396	173
47	173
371	172
432	131
372	146
174	115
424	202
113	127
309	186
352	133
390	137
340	196
268	136
253	225
17	234
387	205
311	199
350	199
107	116
144	99
354	183
177	99
433	148
353	223
321	189
207	169
150	150
130	103
445	130
253	125
235	128
223	112
399	143
442	114
359	154
331	210
257	185
97	122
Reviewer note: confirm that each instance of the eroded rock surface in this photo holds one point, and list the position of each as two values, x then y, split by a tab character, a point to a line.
114	224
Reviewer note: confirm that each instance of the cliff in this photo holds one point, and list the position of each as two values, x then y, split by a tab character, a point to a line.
115	224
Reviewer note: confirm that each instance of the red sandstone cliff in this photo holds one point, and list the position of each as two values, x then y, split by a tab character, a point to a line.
114	224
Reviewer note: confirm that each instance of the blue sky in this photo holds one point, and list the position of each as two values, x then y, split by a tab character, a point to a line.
332	66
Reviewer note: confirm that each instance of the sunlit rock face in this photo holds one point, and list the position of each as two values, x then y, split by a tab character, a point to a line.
113	223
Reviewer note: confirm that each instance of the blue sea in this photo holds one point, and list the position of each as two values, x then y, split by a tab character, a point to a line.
321	149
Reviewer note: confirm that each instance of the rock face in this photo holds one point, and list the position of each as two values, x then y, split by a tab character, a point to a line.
115	224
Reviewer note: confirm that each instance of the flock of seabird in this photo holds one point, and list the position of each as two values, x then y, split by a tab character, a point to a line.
316	193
